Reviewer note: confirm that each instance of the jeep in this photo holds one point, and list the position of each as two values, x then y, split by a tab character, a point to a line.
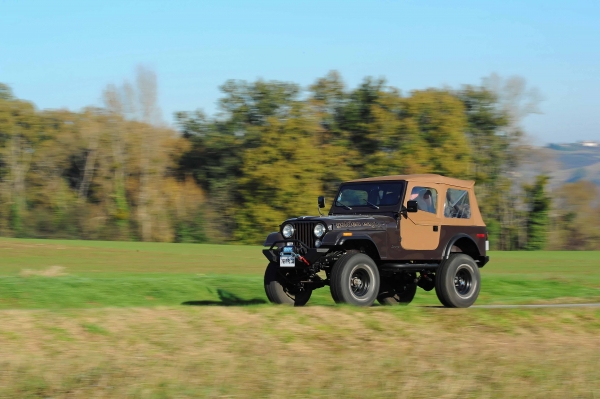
382	238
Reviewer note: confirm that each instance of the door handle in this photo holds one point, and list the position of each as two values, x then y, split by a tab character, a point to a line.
435	228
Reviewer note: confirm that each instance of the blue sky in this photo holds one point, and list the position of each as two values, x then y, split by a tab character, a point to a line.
63	53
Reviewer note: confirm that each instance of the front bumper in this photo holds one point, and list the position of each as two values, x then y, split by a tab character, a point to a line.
310	254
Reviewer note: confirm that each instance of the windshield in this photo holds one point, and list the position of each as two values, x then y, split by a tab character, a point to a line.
372	195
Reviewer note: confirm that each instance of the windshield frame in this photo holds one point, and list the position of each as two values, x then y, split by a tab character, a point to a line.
366	208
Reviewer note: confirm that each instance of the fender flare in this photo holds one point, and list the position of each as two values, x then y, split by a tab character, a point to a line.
342	240
453	241
271	238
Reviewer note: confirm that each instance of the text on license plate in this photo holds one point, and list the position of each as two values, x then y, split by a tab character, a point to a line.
287	261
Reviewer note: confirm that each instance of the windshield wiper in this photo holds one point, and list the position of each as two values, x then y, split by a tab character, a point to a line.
372	205
338	203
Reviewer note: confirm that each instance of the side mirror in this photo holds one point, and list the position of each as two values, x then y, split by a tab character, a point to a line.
412	206
321	204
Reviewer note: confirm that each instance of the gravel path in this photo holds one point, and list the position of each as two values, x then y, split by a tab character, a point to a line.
558	305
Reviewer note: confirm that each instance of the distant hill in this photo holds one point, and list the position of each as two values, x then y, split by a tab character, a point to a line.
578	161
566	163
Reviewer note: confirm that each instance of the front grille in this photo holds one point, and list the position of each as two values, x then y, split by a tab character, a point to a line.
303	231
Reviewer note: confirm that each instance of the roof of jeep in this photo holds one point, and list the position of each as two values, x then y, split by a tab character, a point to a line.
425	178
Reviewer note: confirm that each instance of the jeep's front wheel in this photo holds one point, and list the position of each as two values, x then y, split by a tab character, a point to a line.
354	280
458	281
280	289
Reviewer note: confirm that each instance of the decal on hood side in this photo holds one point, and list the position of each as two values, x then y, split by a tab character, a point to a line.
372	224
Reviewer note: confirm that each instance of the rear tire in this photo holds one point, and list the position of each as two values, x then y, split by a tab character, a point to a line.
355	280
396	292
280	291
458	281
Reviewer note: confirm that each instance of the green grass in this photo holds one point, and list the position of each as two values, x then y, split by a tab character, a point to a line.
85	319
123	274
98	258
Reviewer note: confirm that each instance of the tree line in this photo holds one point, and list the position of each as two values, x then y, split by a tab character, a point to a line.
117	172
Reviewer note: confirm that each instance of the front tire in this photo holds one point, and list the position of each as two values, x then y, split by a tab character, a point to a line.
355	280
279	290
458	281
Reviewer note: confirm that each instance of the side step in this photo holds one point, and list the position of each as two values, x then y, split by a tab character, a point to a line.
409	266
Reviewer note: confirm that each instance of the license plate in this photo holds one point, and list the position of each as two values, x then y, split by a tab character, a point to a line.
287	261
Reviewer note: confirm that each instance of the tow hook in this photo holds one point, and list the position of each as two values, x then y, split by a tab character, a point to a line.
302	259
290	251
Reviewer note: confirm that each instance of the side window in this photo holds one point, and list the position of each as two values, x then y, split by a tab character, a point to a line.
426	198
457	204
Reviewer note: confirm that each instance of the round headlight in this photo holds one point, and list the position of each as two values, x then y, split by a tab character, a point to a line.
319	230
288	231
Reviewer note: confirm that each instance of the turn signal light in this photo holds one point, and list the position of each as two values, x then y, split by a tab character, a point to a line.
480	235
347	234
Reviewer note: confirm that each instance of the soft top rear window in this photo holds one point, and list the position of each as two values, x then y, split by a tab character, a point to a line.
370	194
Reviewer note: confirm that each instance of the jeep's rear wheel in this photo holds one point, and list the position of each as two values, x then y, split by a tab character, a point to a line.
280	288
354	280
457	282
397	292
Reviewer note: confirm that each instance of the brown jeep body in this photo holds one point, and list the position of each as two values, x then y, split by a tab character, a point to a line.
397	238
392	235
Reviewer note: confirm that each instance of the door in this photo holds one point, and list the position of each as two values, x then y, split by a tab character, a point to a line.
421	230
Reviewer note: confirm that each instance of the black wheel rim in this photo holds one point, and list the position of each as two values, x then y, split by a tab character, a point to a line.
360	282
463	281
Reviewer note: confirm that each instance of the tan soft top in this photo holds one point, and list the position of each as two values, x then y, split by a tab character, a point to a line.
425	178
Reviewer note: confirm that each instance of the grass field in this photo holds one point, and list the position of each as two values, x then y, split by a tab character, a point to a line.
56	274
114	319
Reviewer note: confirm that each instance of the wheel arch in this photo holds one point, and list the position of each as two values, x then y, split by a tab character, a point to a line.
462	243
364	243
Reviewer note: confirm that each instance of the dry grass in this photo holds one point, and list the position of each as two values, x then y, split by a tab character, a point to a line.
310	352
52	271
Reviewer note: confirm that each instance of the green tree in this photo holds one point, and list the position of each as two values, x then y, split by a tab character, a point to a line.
576	217
50	201
217	156
22	131
385	133
538	204
356	117
280	176
5	92
116	172
432	136
341	160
